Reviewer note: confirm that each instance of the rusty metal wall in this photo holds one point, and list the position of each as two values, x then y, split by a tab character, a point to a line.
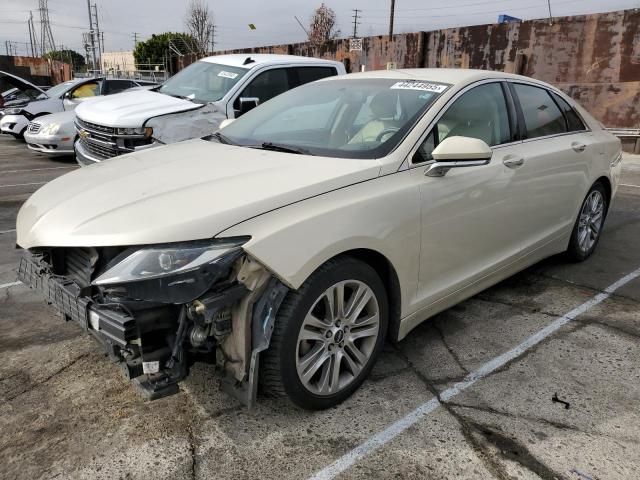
39	71
594	58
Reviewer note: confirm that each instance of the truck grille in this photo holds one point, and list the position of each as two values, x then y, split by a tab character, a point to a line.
34	127
94	127
101	150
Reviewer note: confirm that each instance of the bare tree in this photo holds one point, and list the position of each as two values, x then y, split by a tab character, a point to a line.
322	26
200	24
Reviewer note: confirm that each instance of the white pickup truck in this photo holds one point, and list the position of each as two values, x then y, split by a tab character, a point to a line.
190	104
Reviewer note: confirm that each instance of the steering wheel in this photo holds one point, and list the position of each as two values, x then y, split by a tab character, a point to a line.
386	131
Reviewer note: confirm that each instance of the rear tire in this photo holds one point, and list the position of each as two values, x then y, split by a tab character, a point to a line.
327	336
589	224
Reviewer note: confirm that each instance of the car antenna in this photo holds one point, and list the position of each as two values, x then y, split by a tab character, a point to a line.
249	60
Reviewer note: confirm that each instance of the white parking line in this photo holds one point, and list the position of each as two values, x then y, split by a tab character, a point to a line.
385	436
22	184
7	231
7	285
36	169
628	185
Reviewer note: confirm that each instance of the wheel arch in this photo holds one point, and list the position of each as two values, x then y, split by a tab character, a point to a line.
387	273
606	183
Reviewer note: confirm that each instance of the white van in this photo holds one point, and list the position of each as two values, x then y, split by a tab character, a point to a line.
190	104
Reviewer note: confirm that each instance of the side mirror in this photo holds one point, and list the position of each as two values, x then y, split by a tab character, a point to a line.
246	104
225	122
457	152
67	96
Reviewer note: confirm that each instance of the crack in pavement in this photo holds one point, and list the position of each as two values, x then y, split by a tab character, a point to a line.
587	287
45	380
453	354
621	330
192	450
507	447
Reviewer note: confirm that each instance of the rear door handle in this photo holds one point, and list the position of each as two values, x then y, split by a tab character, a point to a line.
513	162
578	147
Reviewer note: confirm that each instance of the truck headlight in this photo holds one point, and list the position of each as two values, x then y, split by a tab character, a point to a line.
173	273
146	131
13	111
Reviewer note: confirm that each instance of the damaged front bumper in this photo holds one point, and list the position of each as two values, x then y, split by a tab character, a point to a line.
155	343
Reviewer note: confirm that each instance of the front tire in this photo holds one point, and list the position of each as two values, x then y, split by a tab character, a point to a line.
327	336
588	227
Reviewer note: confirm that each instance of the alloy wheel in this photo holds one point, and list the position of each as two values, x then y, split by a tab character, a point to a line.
337	337
591	219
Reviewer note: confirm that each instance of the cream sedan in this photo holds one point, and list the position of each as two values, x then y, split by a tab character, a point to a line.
287	246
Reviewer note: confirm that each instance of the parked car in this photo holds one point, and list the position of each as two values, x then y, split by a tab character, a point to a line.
55	134
291	243
19	91
62	97
52	134
192	103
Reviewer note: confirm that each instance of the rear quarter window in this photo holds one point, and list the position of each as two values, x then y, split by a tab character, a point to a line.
311	74
574	122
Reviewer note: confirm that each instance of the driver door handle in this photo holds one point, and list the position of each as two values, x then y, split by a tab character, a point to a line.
512	161
578	147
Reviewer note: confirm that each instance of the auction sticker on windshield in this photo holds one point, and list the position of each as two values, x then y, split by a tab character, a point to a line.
415	85
227	74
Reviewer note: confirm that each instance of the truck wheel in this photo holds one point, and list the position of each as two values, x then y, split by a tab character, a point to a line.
327	336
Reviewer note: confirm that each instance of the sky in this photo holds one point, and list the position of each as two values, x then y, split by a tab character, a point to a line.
274	19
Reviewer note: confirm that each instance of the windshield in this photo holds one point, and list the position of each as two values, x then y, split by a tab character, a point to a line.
203	82
55	92
363	118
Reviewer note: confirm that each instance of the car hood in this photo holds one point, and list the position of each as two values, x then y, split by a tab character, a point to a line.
19	83
63	118
132	109
186	191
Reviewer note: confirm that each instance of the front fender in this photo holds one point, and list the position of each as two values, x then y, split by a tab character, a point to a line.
176	127
380	215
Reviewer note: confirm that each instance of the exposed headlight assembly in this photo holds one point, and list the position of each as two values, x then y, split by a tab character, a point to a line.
173	273
145	131
13	111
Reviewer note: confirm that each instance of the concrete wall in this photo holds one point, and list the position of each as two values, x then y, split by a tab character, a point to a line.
39	71
594	58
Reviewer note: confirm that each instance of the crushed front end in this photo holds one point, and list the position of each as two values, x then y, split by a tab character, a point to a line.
158	309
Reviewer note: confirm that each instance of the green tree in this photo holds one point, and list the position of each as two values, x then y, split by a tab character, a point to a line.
156	48
67	56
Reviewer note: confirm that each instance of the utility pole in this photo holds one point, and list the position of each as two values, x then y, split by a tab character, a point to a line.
213	37
355	22
98	36
301	26
135	39
92	39
32	36
393	7
550	17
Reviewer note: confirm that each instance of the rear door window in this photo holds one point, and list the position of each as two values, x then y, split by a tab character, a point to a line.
117	86
542	116
311	74
574	123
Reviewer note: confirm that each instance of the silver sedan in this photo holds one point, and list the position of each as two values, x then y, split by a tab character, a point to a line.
52	134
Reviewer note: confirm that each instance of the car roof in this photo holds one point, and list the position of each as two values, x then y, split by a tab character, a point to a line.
453	76
239	59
